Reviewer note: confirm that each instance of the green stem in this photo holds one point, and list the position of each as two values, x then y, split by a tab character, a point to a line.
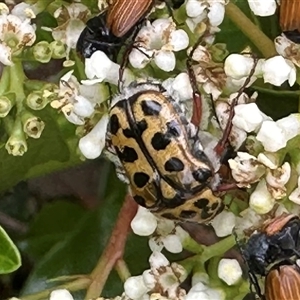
76	285
16	85
218	249
122	270
4	82
275	92
258	38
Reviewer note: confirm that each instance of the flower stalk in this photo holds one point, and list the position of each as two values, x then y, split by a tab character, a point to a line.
258	38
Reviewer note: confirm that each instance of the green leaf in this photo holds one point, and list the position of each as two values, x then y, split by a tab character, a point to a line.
10	259
54	222
78	245
48	153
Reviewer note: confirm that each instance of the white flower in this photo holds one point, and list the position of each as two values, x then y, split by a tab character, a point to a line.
158	260
263	8
172	243
199	11
99	68
61	295
203	292
24	10
270	160
15	34
237	136
179	87
168	236
134	287
239	66
272	136
261	201
213	80
75	106
287	71
92	144
288	49
229	270
144	223
223	223
247	117
276	180
246	169
282	131
158	41
71	20
290	125
168	277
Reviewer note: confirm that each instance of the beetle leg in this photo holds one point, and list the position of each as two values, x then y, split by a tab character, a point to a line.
221	146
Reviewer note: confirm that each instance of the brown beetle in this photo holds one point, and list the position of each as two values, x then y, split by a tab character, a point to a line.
283	282
123	15
289	19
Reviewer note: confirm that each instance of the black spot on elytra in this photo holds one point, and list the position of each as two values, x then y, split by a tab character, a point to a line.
201	203
174	164
140	179
206	214
173	128
169	216
128	133
202	175
114	124
150	107
214	206
127	155
139	200
187	214
141	126
160	141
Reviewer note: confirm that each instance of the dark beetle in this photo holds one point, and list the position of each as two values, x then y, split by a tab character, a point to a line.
271	253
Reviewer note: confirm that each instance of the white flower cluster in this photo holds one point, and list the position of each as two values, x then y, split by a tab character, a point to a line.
163	278
16	32
157	46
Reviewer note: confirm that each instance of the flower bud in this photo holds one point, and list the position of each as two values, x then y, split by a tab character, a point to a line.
42	52
61	294
144	223
16	144
36	101
33	126
58	49
229	270
6	104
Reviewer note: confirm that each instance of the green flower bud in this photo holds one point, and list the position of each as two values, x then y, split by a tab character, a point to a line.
33	126
58	49
42	52
6	104
16	144
36	100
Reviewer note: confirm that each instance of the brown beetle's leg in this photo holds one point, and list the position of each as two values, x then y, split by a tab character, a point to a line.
221	146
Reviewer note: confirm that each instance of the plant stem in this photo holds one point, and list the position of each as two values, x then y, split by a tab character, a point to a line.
218	249
258	38
76	285
122	270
